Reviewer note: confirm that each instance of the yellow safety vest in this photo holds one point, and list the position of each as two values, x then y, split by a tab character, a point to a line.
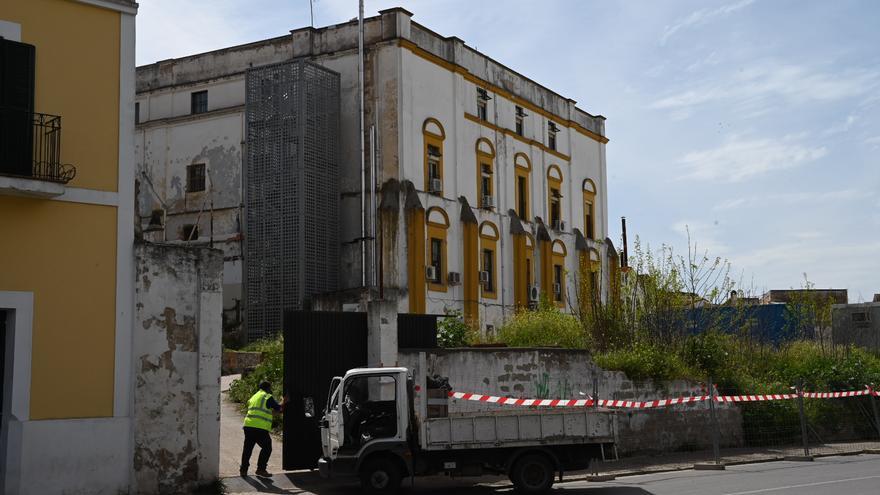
258	414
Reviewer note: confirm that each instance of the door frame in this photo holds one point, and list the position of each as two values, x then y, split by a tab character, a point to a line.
19	307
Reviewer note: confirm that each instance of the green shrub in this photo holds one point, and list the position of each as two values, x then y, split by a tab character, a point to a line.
644	361
544	327
271	369
452	331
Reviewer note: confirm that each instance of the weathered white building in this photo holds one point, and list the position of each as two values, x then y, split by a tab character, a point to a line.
490	188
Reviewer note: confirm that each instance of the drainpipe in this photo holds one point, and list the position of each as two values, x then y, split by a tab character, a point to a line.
361	135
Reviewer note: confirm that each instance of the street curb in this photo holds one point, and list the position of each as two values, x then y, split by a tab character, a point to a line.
600	477
709	466
799	458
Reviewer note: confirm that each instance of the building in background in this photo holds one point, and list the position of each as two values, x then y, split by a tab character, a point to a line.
479	190
67	278
784	296
856	324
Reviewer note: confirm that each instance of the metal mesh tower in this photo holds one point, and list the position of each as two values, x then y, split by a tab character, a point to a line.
291	193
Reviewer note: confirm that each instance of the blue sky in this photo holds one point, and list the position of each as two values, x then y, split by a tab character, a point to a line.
752	122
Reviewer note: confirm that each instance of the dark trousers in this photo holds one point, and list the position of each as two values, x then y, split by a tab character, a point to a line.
256	436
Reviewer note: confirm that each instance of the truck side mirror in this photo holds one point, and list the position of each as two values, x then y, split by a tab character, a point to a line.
309	407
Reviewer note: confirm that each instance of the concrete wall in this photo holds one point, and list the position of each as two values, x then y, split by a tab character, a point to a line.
863	331
177	352
568	374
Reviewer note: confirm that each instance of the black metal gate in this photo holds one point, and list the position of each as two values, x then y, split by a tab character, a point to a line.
317	347
416	331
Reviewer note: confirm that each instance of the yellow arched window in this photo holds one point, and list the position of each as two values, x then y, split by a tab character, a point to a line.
522	172
590	267
557	292
485	174
433	136
554	197
488	260
435	249
524	268
589	191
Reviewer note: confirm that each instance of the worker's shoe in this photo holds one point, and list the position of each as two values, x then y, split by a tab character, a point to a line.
262	473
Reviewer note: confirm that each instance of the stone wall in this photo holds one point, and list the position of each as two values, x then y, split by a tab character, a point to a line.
568	374
177	348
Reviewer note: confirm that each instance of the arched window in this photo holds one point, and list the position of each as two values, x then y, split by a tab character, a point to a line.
433	136
523	269
488	260
554	195
523	170
589	190
485	174
557	292
435	247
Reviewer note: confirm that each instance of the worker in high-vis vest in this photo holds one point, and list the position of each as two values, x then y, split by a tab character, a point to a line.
257	425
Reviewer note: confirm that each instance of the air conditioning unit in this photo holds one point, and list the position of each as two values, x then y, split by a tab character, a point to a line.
562	225
488	202
454	278
435	185
484	277
557	225
534	293
557	288
430	273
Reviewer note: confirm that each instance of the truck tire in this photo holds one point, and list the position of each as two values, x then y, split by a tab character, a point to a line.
532	473
380	476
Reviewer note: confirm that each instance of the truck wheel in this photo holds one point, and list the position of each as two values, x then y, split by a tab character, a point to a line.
380	476
532	473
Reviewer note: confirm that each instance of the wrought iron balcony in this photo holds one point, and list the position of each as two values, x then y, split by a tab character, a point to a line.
30	146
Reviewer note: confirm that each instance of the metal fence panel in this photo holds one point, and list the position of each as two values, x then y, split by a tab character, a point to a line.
291	193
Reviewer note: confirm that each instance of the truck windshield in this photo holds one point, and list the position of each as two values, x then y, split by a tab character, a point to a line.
369	409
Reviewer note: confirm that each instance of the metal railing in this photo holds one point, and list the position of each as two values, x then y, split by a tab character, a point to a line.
31	146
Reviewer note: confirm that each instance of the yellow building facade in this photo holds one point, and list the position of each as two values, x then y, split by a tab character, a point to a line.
66	236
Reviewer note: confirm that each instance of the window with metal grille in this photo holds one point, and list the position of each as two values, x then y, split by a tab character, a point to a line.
482	107
488	267
557	282
555	216
486	185
520	116
199	101
551	135
437	259
195	177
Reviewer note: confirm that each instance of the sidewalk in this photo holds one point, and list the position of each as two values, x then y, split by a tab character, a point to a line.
232	437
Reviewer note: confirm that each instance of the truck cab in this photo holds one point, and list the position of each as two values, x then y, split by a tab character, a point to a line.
366	427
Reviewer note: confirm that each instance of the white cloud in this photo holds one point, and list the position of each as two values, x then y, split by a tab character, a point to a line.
708	61
704	237
738	159
873	141
701	17
763	84
841	127
788	199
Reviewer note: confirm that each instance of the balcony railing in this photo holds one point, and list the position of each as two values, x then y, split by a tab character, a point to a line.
30	146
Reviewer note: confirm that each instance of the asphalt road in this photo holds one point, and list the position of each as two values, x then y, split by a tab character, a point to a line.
847	475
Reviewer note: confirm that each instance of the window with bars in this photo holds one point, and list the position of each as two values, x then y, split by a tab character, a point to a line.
199	101
195	177
489	268
520	116
482	105
551	135
555	207
557	283
190	232
437	259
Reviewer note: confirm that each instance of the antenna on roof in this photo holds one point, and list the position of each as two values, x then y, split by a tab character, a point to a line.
312	11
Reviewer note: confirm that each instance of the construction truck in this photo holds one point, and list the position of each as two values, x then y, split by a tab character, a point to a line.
376	425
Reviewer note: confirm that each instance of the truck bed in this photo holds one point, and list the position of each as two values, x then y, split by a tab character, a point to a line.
520	428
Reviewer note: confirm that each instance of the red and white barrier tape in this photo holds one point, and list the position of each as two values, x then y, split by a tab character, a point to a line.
630	404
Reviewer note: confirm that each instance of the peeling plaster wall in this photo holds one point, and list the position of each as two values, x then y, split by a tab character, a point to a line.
177	355
568	374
